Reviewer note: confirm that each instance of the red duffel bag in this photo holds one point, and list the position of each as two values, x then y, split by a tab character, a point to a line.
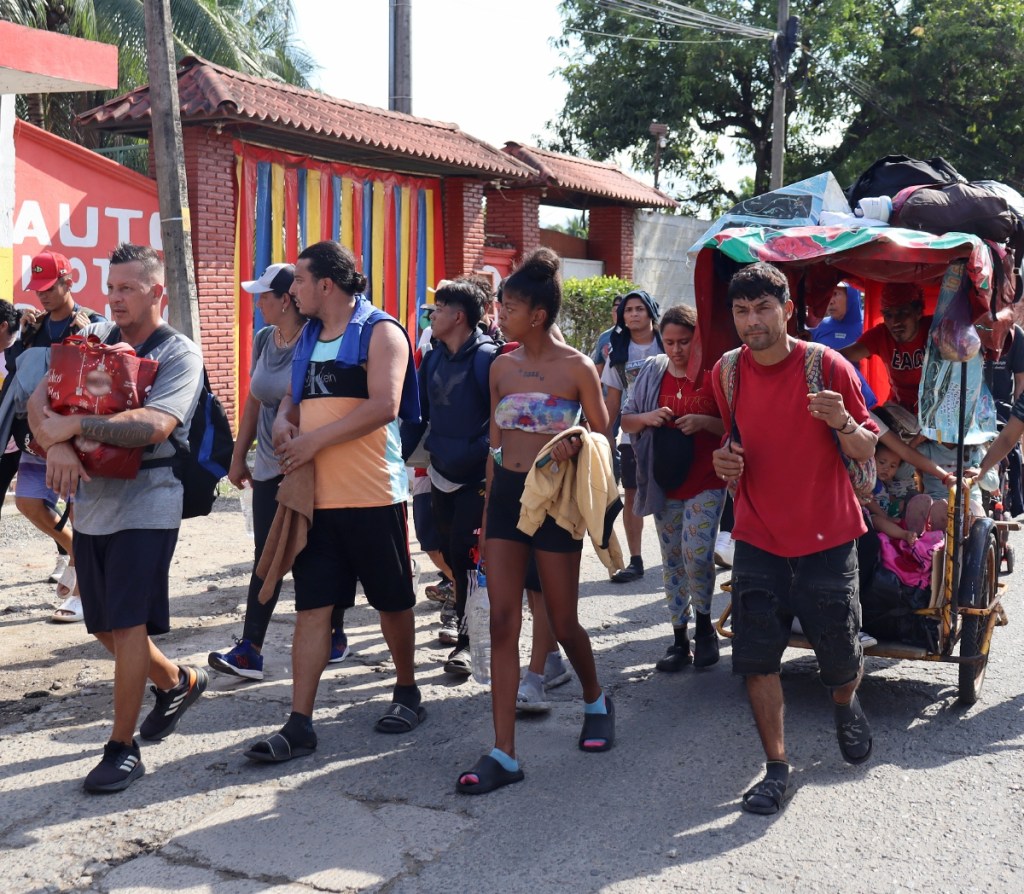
90	378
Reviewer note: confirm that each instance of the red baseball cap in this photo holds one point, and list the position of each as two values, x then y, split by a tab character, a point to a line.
47	268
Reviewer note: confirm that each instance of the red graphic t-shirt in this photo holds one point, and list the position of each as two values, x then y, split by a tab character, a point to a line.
903	361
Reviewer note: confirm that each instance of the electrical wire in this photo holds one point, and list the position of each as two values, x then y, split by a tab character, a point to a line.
668	12
652	39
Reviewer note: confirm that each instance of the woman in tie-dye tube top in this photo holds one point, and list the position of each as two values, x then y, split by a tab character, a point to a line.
537	391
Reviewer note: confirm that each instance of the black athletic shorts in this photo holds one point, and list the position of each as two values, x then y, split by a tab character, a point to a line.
503	507
369	545
627	461
123	578
821	589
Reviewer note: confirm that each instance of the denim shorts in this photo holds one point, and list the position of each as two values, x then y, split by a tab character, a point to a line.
821	589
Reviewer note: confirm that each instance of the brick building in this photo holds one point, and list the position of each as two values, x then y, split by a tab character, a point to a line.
271	168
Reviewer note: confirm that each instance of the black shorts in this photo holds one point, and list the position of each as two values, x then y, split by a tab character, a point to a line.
821	589
503	507
627	460
423	522
123	578
370	545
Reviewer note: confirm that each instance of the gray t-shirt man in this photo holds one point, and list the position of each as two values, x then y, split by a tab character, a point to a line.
153	499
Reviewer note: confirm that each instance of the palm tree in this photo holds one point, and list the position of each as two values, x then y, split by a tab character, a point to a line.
252	36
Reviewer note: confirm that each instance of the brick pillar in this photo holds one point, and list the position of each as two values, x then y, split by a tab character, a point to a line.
611	239
513	216
463	202
210	171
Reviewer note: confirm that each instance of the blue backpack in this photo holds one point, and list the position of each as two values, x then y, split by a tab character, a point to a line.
202	459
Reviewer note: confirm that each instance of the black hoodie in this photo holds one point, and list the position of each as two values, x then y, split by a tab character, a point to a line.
455	399
618	354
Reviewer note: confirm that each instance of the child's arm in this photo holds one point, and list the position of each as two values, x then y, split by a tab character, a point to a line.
885	525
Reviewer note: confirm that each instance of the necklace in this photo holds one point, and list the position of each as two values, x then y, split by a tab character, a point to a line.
679	385
62	329
283	342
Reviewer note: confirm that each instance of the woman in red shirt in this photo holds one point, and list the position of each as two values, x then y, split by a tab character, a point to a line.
675	426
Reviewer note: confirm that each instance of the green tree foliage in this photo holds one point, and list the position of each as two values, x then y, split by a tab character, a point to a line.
870	78
575	226
586	308
252	36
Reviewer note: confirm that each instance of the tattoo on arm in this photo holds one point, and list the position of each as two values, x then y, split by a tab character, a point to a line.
119	433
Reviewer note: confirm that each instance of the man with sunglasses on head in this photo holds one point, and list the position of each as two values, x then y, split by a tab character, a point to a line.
899	340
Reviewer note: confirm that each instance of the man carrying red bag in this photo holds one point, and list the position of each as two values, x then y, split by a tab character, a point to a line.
90	378
126	530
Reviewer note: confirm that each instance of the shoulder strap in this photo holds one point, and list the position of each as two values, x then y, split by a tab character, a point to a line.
729	376
157	337
482	361
262	337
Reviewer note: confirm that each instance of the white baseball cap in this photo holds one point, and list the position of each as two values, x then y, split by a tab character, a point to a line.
276	278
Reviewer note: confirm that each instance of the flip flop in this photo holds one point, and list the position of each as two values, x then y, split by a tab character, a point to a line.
488	775
70	611
768	796
853	732
598	729
278	749
400	719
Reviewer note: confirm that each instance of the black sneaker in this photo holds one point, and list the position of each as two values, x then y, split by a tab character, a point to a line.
120	767
628	574
172	703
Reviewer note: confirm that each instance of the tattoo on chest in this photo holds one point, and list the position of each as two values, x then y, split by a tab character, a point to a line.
120	433
531	374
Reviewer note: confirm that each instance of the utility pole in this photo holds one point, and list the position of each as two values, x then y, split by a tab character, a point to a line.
660	134
780	65
400	70
169	155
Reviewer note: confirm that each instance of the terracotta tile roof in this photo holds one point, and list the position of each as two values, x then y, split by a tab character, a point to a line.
209	92
586	177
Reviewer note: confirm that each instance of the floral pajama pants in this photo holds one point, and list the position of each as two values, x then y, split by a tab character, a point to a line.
686	534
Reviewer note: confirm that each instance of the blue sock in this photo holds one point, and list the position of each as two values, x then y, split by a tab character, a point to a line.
596	707
508	763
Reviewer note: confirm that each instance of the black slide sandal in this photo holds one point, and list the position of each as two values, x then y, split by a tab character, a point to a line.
489	774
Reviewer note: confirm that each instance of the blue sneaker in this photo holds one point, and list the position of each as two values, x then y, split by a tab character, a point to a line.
242	661
339	647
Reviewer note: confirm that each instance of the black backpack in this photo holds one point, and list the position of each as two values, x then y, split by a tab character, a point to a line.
201	460
890	174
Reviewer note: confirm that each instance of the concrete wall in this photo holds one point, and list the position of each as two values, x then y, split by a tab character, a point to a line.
660	264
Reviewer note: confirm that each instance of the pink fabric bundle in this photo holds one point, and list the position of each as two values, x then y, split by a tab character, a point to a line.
911	564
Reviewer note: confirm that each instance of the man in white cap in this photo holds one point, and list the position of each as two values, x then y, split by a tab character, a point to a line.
60	317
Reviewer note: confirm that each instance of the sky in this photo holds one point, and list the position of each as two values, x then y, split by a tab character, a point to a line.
486	65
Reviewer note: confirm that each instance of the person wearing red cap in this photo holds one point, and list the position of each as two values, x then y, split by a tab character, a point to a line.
898	340
60	317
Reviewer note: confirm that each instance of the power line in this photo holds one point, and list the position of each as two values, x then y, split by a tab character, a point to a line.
668	12
653	39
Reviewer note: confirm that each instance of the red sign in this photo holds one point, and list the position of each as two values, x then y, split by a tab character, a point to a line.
79	203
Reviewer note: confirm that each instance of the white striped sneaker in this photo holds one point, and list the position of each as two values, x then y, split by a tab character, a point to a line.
172	703
120	767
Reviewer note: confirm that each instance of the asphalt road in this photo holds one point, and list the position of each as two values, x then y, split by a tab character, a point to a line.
938	807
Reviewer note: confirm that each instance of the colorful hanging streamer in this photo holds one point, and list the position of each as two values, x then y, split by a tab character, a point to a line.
286	202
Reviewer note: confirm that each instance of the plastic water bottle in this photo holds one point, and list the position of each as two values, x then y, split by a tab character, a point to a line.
245	498
478	619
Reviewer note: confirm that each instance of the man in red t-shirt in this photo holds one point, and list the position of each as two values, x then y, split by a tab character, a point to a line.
797	519
898	340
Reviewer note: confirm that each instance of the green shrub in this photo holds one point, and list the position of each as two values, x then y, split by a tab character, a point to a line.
586	308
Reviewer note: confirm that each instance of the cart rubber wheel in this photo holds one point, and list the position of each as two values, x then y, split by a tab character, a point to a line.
981	567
